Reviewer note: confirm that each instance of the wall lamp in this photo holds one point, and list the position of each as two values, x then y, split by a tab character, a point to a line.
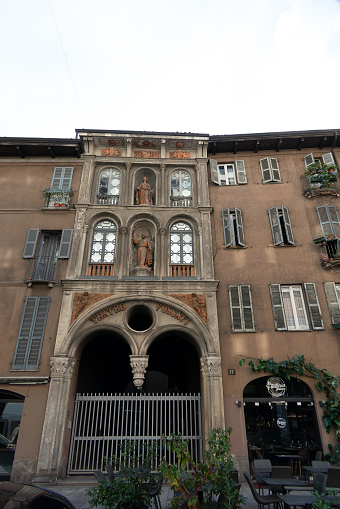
257	403
298	403
238	403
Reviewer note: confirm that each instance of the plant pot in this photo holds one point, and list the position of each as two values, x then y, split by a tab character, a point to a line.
64	205
57	205
319	240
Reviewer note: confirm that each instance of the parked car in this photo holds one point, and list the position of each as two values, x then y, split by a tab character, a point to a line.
23	496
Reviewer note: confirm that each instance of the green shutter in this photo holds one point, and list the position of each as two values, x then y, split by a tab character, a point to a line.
314	306
275	226
235	309
275	169
32	328
247	307
333	302
62	177
31	243
277	305
265	169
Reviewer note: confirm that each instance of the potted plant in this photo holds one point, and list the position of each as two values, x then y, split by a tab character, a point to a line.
322	173
212	476
59	196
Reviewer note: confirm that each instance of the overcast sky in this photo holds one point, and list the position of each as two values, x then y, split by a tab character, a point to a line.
204	66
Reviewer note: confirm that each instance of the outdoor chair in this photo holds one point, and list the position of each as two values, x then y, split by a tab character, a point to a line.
318	456
259	455
320	481
282	472
262	500
262	468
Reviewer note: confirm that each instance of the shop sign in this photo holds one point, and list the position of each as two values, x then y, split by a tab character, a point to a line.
281	423
276	386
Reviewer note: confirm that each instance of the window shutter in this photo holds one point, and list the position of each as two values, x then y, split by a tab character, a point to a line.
275	226
265	168
241	172
214	171
333	302
57	178
328	159
314	306
334	218
65	244
324	220
275	169
67	179
308	159
32	329
235	308
31	243
288	226
239	226
248	316
277	305
228	236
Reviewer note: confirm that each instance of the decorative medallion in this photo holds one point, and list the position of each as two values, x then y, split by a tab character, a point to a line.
112	142
276	386
180	144
84	300
195	301
146	143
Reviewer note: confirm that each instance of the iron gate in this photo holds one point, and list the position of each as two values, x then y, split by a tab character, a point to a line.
102	422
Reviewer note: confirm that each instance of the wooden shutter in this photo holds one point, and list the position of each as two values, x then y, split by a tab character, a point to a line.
275	226
239	227
314	306
328	159
32	329
266	169
308	160
277	305
334	219
324	219
247	308
65	244
31	243
227	228
276	177
288	226
241	172
62	178
214	171
333	302
235	309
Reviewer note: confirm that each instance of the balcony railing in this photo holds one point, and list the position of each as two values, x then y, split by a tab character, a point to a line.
57	198
179	201
43	268
100	269
107	199
312	187
182	271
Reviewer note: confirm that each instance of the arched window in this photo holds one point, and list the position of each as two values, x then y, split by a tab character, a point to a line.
103	249
108	187
181	250
180	186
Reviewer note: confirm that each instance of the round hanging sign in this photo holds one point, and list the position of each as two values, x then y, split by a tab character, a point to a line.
281	423
276	386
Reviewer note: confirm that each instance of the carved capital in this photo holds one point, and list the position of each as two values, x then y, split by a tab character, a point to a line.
211	366
139	364
199	230
62	367
162	231
128	166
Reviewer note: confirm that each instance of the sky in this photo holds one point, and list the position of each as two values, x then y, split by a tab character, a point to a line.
202	66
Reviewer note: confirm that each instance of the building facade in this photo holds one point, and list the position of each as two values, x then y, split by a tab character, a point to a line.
139	268
40	179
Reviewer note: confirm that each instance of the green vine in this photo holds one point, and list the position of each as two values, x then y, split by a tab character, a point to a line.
326	382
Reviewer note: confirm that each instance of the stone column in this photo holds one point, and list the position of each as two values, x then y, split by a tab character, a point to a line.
51	464
87	181
163	186
126	193
162	253
212	392
139	364
124	256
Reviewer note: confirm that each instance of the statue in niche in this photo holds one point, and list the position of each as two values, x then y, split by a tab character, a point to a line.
144	193
144	250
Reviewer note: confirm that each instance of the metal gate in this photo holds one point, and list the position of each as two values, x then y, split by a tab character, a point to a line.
102	422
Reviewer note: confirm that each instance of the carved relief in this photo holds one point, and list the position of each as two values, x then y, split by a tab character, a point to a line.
113	152
62	366
145	153
195	301
84	300
139	364
211	366
179	154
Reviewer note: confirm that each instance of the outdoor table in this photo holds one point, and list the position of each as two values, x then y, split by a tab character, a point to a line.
315	470
302	500
284	482
292	457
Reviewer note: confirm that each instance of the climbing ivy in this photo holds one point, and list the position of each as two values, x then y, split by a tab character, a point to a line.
326	382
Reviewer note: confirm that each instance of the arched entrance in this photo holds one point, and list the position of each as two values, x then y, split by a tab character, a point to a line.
110	409
280	419
11	406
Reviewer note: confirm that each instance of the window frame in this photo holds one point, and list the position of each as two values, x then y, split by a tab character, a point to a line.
332	292
239	170
111	169
105	231
33	236
181	234
310	302
281	230
332	219
233	228
62	178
